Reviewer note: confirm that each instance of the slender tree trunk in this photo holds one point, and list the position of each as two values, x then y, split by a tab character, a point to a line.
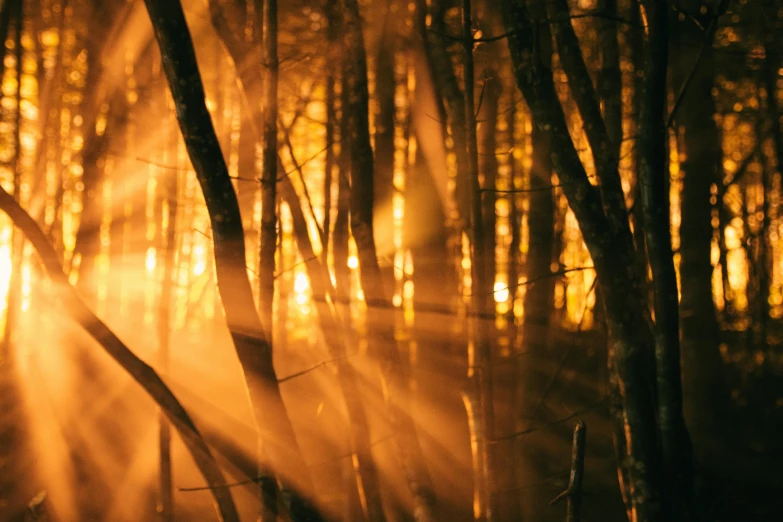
342	220
6	14
636	37
341	232
379	306
253	348
268	237
246	169
605	151
538	302
383	185
168	242
514	219
447	87
539	297
771	67
267	243
488	169
480	372
610	82
366	475
626	310
653	179
330	163
705	395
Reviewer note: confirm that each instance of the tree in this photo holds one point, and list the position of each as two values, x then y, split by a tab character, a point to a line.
252	346
704	390
143	374
603	220
379	306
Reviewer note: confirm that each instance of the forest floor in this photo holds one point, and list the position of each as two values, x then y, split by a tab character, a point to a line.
740	478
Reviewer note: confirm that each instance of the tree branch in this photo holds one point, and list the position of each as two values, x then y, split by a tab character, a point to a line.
138	369
706	44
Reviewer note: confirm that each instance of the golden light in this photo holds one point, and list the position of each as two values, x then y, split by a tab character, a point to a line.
150	260
501	292
301	283
200	257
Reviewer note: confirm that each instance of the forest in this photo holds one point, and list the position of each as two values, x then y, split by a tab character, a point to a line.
391	260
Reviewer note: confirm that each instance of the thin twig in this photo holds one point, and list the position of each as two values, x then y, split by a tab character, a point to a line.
706	44
314	367
543	21
550	424
574	491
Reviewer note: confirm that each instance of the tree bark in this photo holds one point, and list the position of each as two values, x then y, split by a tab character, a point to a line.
627	315
331	325
268	233
169	247
253	348
379	306
488	169
771	67
653	179
383	185
704	392
340	252
605	151
267	241
610	84
447	87
330	163
480	366
539	297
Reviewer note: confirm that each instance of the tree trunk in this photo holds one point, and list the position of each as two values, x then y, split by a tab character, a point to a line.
627	315
268	237
168	243
367	479
705	395
488	170
605	157
330	163
267	241
447	87
772	63
538	302
653	179
610	83
482	301
379	306
253	348
383	186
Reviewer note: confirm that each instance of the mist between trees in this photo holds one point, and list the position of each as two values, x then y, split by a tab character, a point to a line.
391	260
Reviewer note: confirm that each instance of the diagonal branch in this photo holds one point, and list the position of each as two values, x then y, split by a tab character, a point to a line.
706	45
247	332
605	153
138	369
